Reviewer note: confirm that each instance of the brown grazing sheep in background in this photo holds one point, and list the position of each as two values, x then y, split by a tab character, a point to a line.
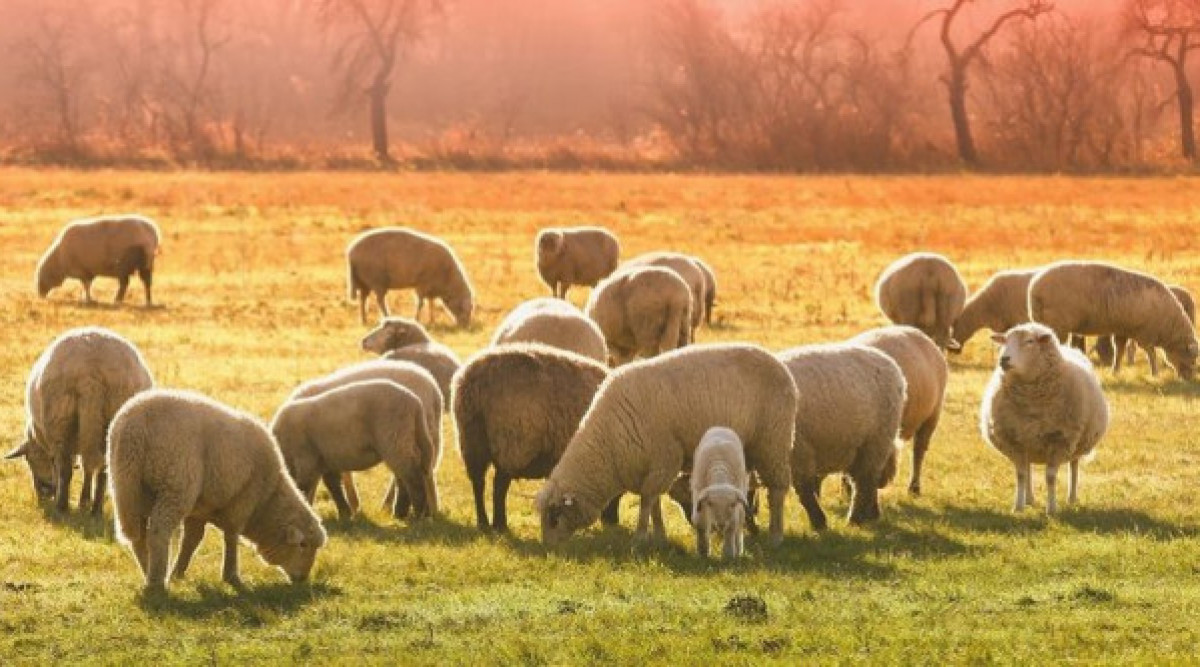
114	246
643	311
398	258
575	256
925	291
1105	346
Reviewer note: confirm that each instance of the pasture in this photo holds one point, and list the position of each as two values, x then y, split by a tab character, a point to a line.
252	283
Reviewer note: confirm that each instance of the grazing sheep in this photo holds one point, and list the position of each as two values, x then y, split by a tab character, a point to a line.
402	339
407	375
355	427
847	420
76	386
642	311
179	457
710	289
575	256
923	290
925	377
1043	404
1105	346
1001	304
646	421
688	270
515	408
552	322
1095	298
115	245
398	258
719	486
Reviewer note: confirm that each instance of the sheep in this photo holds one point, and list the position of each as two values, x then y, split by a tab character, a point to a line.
355	427
1001	304
180	457
1105	344
1043	404
395	257
719	486
643	311
575	256
402	339
113	245
646	420
925	377
687	268
515	408
76	386
923	290
710	289
1095	298
555	323
851	398
407	375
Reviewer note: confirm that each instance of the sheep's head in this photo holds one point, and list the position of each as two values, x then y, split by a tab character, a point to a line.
49	274
720	507
461	307
562	513
549	244
393	333
1027	349
41	466
294	548
1184	360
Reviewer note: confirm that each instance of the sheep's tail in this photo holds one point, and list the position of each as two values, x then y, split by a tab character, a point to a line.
674	332
429	457
92	424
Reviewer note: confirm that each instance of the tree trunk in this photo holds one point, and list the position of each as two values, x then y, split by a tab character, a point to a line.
1187	128
379	133
957	86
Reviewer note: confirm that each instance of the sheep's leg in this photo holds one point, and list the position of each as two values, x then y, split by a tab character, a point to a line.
362	306
1118	356
1151	358
87	290
163	519
1073	482
401	503
147	276
64	468
645	509
478	488
98	498
731	546
85	495
122	286
193	532
775	499
351	491
413	484
1022	486
1051	479
809	492
381	301
420	304
229	567
864	506
1030	500
656	518
500	484
333	482
611	514
389	497
702	537
921	441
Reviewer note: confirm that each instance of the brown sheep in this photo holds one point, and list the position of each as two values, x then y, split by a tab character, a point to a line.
1001	304
1105	347
555	323
398	258
710	289
688	270
575	256
923	290
402	339
114	246
643	311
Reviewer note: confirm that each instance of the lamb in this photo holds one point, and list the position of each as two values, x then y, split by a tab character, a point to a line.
1001	304
647	419
687	268
643	311
179	457
355	427
719	486
1105	346
407	375
575	256
710	289
113	245
74	390
395	257
925	377
1095	298
402	339
1043	404
515	408
555	323
847	420
923	290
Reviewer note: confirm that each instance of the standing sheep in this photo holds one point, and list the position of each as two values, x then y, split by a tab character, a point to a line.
1105	346
719	486
355	427
643	311
116	246
74	390
552	322
575	256
1001	304
923	290
847	420
710	289
179	457
688	270
398	258
1095	298
1043	404
402	339
515	409
925	378
644	424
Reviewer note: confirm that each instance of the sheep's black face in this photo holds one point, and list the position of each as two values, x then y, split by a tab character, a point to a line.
297	552
561	514
1184	363
41	468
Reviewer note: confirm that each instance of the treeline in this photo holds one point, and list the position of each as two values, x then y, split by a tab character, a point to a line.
788	85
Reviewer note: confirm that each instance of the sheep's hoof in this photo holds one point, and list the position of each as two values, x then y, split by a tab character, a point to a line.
236	583
914	489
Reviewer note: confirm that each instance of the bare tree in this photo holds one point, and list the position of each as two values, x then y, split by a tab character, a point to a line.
1169	30
960	58
377	32
55	66
187	73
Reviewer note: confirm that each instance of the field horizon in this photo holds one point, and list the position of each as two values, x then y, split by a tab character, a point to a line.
251	279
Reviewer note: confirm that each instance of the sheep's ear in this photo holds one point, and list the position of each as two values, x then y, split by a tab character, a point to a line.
295	536
997	338
19	451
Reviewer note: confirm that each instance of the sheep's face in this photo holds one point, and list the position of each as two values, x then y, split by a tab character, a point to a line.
561	514
296	550
719	509
462	308
393	333
550	243
41	467
49	276
1184	362
1025	349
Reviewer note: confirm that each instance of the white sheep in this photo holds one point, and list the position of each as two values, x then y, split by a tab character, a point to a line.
643	426
355	427
398	258
76	386
1042	405
112	245
923	290
719	486
710	289
1106	346
643	311
575	256
552	322
182	458
402	339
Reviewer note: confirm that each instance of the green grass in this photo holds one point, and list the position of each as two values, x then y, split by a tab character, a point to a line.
251	277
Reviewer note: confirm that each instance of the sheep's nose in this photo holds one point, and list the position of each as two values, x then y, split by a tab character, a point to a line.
1005	362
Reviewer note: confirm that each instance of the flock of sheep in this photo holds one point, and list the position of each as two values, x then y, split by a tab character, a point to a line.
609	400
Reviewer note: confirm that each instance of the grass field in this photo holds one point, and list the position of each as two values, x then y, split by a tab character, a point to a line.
252	280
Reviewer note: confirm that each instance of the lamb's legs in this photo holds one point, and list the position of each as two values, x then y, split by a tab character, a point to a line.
1022	486
500	485
864	506
1051	479
333	482
809	492
1073	482
229	567
731	543
351	491
193	532
702	538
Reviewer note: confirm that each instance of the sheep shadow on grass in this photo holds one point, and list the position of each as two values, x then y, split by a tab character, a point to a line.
255	606
438	530
1106	521
1167	384
93	527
